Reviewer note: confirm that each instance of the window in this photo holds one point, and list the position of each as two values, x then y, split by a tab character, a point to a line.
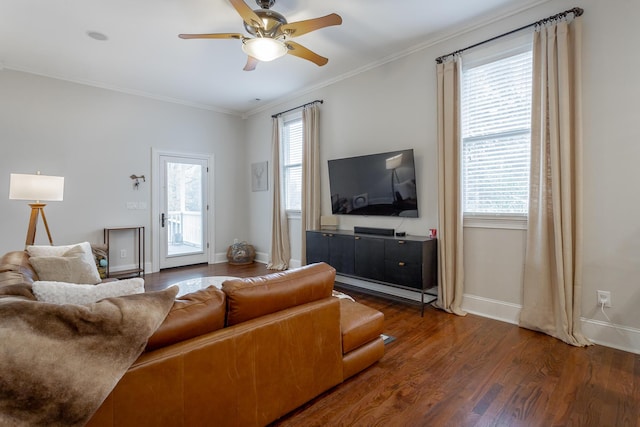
496	135
292	162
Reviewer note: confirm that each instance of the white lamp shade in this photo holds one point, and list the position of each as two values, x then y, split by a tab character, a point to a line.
264	48
394	162
36	187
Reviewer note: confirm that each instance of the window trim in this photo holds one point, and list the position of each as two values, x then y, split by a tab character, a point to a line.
511	47
498	221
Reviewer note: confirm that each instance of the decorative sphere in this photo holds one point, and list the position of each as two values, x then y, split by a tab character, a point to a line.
103	262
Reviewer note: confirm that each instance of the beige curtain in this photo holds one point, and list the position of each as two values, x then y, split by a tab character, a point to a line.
280	249
310	216
450	253
553	261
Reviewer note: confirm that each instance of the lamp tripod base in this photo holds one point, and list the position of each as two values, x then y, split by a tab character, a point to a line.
36	210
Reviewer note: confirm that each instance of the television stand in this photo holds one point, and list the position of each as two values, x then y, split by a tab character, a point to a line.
408	263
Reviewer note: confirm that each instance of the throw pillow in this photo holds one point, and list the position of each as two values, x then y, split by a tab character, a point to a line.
70	293
43	250
74	266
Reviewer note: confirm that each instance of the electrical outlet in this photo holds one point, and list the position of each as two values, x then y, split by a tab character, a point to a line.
123	253
604	297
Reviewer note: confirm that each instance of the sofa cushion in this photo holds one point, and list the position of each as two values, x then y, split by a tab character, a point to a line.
253	297
74	265
192	315
359	324
71	293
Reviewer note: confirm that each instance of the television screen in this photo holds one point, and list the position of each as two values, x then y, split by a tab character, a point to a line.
376	184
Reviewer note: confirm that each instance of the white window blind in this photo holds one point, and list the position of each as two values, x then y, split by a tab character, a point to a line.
496	135
292	163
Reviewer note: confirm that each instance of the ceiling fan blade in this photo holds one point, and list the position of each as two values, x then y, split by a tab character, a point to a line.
251	64
300	51
247	14
212	36
295	29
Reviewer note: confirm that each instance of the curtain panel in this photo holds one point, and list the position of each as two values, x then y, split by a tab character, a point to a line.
310	215
450	243
552	290
280	247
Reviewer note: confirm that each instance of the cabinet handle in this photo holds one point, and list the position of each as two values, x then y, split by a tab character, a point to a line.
401	264
401	242
357	237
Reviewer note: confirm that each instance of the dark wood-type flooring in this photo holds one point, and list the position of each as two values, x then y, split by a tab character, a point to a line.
446	370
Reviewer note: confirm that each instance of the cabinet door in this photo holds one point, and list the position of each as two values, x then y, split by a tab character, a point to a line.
403	250
317	247
405	274
341	253
369	258
403	263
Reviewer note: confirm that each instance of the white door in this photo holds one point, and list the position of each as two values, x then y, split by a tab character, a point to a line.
183	210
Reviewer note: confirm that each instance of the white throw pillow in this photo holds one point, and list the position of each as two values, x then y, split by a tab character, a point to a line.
43	250
71	293
71	264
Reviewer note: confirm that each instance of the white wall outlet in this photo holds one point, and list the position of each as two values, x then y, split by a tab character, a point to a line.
604	297
132	205
123	253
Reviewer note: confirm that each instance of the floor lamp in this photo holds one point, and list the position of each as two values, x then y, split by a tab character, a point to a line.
38	188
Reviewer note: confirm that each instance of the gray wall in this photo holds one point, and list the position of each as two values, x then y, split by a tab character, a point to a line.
392	107
96	139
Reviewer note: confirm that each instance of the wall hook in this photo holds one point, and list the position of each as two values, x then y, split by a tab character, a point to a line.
137	179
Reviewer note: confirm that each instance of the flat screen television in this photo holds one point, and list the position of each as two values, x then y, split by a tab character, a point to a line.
381	184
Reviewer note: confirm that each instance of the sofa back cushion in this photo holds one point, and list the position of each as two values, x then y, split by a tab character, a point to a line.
253	297
192	315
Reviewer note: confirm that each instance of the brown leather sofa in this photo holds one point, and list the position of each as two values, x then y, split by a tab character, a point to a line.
243	356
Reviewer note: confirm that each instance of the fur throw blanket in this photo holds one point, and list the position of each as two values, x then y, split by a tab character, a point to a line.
59	362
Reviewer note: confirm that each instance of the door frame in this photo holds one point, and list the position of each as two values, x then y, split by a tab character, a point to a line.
156	229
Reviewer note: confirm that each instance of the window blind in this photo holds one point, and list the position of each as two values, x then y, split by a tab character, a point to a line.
496	135
292	164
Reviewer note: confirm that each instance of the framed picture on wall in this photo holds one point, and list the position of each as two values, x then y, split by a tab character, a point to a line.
259	176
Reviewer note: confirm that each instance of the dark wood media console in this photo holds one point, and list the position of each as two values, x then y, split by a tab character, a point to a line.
408	262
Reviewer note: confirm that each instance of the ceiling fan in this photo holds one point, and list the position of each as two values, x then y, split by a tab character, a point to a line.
271	33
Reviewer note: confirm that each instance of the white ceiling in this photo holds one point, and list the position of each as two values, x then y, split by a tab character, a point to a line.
143	54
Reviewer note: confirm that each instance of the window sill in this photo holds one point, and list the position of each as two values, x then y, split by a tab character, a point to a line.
508	222
294	214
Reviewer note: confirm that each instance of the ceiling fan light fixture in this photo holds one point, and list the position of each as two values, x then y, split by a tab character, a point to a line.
264	49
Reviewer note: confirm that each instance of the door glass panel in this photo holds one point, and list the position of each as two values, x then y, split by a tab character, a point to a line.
184	209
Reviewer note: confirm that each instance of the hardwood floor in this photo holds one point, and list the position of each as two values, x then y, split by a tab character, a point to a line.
446	370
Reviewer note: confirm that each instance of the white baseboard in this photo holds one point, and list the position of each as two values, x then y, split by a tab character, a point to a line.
119	268
220	257
491	308
612	335
262	257
602	333
295	263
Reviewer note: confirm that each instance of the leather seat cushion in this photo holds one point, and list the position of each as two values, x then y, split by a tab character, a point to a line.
253	297
192	315
359	324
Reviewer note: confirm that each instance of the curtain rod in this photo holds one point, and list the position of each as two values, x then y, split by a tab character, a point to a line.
299	106
576	12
